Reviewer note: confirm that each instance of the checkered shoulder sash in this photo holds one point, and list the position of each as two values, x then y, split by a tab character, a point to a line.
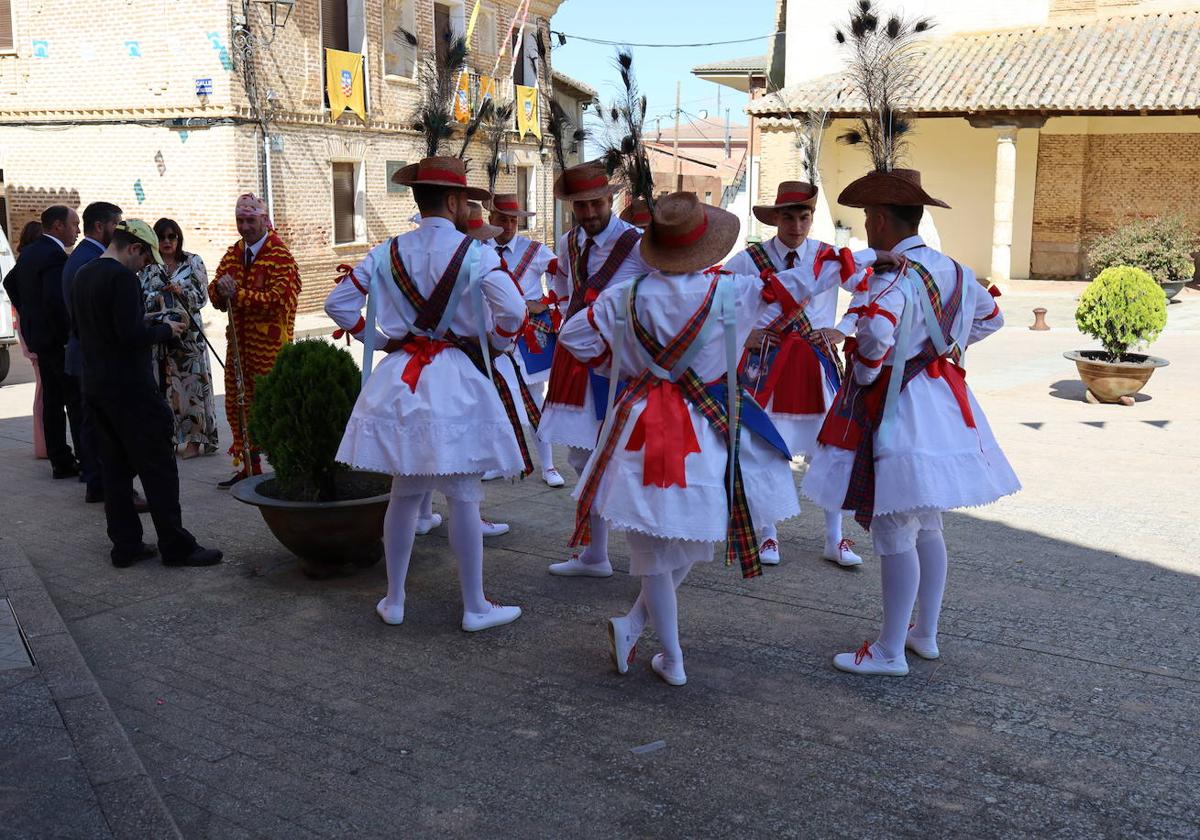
795	321
584	290
524	262
666	436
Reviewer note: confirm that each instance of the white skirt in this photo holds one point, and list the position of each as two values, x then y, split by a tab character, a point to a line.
931	460
570	425
700	511
453	424
655	556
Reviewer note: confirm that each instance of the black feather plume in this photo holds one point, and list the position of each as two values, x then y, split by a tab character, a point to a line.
439	84
624	152
557	123
495	129
473	126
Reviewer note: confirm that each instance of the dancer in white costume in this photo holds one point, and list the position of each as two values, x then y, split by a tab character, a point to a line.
660	472
429	415
904	442
527	260
599	252
790	364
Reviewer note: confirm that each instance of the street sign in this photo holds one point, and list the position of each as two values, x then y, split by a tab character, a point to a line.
204	87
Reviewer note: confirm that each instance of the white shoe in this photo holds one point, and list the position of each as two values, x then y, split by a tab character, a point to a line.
553	477
492	475
842	555
424	526
390	614
622	647
494	529
677	677
577	568
494	617
768	553
868	660
924	648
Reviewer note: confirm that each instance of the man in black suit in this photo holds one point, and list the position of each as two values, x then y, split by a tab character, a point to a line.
35	287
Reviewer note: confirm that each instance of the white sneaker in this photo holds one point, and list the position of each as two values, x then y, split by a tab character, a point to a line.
768	553
553	477
622	647
842	555
577	568
391	614
868	660
492	475
424	526
494	617
672	677
494	529
924	648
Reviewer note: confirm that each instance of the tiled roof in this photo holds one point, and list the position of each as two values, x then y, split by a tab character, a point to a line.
562	77
1148	63
750	64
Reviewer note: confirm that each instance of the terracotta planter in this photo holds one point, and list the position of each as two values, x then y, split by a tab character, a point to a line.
330	538
1113	382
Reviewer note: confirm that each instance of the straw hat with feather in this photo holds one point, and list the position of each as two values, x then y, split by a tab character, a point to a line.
636	213
787	194
686	235
477	228
583	182
901	187
506	204
440	171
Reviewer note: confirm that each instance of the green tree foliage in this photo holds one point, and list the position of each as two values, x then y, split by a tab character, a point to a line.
1163	247
1122	307
299	414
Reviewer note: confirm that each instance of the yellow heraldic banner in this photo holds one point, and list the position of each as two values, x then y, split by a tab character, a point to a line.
344	83
462	98
528	119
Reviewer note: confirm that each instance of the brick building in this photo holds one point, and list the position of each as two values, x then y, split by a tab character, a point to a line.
1041	122
151	106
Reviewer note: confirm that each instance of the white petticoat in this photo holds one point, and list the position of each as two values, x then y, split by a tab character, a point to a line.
799	431
931	461
453	424
700	511
467	488
570	425
655	556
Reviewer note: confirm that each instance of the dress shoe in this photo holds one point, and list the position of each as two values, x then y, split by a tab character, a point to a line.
200	556
842	555
424	526
494	617
869	660
768	553
577	568
672	676
232	480
390	613
70	470
553	477
494	529
621	644
144	553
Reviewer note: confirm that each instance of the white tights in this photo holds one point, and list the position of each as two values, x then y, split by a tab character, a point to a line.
466	541
659	603
833	530
597	551
914	576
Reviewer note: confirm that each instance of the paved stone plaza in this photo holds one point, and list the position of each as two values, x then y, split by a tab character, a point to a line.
264	704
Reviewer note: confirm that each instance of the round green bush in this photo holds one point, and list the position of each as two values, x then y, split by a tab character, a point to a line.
1122	307
1162	246
299	413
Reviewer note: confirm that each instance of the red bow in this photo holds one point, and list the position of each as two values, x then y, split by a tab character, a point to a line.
664	429
775	292
944	368
715	270
552	300
422	350
796	367
844	257
994	290
863	285
343	271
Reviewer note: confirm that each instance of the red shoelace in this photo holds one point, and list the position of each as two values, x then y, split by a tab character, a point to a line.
863	652
845	545
768	545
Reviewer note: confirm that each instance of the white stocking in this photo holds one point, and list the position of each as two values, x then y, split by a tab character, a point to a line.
931	550
899	574
768	532
466	541
545	452
427	506
399	530
638	616
833	528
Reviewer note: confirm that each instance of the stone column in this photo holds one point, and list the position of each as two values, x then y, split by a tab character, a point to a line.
1002	210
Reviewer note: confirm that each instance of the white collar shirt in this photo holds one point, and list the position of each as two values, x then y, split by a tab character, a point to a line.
631	267
530	280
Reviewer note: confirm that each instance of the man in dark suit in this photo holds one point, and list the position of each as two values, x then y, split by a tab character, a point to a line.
99	221
35	287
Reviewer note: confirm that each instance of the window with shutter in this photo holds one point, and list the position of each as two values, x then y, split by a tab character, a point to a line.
335	25
343	203
6	26
524	178
400	38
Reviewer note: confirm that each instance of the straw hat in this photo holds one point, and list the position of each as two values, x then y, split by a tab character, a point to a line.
439	172
787	194
477	228
583	182
636	213
506	205
900	187
687	235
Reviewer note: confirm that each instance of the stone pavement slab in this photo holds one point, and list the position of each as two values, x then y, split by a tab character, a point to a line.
263	704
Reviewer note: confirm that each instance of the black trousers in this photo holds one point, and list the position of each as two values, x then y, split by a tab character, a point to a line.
88	449
60	406
136	431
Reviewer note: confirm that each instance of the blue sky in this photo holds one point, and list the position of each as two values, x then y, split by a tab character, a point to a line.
662	21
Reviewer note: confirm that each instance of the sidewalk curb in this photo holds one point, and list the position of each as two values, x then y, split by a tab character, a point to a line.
131	804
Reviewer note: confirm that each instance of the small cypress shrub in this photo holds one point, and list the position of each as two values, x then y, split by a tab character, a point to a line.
1162	247
299	414
1121	308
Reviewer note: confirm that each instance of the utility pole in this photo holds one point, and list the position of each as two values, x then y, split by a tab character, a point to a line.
727	134
678	169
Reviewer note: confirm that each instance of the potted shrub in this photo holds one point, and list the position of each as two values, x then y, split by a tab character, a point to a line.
328	515
1163	247
1123	307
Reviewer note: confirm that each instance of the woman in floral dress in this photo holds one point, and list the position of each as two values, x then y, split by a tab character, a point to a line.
177	290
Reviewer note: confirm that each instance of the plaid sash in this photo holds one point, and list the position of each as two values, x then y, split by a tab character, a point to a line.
523	263
429	315
741	540
584	291
857	409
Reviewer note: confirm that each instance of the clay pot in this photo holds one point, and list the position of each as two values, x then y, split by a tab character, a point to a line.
1113	382
330	538
1173	288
